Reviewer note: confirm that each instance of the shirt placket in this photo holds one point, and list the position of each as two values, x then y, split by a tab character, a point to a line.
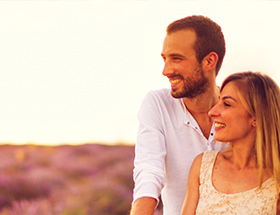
190	121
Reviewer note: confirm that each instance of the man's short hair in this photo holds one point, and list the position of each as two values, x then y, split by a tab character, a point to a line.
209	36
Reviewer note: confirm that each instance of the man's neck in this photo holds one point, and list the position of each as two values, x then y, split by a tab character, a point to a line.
199	108
202	103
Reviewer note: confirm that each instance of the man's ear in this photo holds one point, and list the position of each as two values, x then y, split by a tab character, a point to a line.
209	62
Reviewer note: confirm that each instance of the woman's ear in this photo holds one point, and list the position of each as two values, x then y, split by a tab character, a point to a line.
209	62
254	123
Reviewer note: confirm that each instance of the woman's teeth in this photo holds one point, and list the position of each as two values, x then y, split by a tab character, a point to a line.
219	125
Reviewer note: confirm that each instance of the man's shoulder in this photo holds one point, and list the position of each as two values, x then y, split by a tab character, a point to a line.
162	98
162	94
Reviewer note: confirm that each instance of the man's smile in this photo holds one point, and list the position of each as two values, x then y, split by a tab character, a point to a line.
174	81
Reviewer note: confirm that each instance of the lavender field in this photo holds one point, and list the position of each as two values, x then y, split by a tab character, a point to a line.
87	179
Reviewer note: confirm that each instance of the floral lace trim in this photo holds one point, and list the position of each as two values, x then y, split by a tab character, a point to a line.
250	202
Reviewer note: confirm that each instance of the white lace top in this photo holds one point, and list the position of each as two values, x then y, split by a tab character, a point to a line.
251	202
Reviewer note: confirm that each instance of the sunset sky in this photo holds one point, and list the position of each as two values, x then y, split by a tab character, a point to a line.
77	71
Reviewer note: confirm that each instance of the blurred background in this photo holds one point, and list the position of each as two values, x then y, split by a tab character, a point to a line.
72	77
77	71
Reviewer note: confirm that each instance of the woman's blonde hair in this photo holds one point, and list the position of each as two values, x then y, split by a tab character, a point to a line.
260	95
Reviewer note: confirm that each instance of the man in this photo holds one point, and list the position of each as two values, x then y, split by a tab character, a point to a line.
175	127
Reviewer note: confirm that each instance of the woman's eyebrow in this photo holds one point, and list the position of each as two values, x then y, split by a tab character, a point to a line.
228	97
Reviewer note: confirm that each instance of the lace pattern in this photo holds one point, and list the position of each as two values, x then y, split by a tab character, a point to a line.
252	202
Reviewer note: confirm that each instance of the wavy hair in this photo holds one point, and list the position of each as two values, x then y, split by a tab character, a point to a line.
260	96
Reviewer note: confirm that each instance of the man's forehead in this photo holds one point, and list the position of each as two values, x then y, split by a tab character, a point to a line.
181	37
178	42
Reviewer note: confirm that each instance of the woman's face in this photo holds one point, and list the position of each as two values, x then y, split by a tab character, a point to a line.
232	121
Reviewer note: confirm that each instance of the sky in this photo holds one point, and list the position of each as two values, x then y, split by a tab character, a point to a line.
76	71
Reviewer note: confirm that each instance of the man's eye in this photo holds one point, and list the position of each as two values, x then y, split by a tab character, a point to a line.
176	58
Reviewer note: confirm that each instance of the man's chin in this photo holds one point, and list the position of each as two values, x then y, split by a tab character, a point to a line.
175	94
178	95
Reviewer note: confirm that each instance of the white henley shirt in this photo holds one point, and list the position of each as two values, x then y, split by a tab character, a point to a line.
168	140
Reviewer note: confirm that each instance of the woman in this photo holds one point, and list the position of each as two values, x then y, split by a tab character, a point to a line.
244	179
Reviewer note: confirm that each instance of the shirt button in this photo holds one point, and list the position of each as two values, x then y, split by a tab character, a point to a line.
211	134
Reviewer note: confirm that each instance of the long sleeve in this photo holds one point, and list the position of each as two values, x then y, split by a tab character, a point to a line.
150	150
168	140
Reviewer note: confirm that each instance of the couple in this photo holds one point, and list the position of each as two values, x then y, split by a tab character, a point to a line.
175	129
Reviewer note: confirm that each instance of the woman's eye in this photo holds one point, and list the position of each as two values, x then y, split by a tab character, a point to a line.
226	104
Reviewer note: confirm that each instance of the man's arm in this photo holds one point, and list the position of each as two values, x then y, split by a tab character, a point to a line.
144	206
150	151
192	195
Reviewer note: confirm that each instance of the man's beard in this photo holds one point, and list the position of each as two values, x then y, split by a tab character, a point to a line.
194	86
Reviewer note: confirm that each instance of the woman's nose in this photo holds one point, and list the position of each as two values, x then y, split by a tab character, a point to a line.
214	111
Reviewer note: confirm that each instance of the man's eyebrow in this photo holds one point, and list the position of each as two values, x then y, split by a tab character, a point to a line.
176	55
173	55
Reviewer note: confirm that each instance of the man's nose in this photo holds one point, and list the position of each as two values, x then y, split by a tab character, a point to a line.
167	70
